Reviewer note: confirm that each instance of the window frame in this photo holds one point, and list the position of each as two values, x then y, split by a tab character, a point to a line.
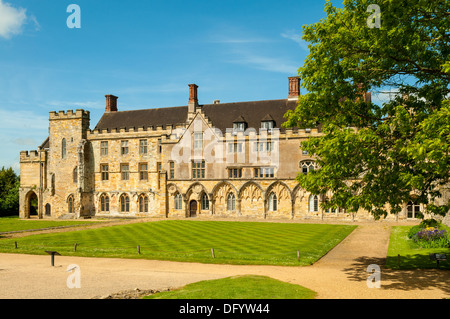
124	148
104	172
125	173
143	174
103	148
124	205
143	147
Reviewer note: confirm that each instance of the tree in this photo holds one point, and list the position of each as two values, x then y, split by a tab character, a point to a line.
9	192
372	155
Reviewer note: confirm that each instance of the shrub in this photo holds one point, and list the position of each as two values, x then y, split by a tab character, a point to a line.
424	224
432	237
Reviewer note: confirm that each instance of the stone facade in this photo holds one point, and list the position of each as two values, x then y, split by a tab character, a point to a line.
171	167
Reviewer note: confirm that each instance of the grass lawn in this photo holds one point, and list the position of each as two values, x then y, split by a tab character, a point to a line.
189	240
14	223
411	255
238	287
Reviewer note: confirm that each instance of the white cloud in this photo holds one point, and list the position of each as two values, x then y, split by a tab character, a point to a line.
296	37
11	20
266	63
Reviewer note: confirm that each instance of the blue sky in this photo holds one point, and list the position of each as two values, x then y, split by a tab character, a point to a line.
145	52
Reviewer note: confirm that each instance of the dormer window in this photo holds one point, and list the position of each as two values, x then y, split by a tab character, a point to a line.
267	122
239	124
239	127
268	125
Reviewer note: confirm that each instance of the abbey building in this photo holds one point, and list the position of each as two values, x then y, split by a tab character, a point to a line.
219	159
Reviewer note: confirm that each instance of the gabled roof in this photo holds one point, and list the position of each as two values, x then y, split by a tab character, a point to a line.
240	119
222	115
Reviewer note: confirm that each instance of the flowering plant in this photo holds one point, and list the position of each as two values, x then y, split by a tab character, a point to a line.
432	237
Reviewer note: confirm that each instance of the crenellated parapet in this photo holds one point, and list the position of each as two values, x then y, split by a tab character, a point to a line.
69	115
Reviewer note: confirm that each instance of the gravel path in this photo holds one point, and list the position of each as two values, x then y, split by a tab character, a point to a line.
342	273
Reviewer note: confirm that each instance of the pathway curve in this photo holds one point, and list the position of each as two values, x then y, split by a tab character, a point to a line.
342	273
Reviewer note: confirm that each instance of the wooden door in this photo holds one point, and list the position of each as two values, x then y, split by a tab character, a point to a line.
193	208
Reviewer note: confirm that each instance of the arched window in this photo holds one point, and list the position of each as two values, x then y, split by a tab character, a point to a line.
231	202
273	202
104	203
143	204
48	210
307	166
75	175
178	201
70	204
124	203
63	148
205	202
313	203
413	210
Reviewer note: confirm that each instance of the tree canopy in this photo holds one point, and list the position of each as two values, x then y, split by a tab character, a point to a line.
378	153
9	192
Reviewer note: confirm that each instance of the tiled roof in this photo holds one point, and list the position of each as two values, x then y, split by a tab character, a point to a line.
222	115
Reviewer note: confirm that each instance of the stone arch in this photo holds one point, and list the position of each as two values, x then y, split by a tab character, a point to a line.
299	202
220	193
172	208
104	203
251	199
70	202
284	199
31	204
196	190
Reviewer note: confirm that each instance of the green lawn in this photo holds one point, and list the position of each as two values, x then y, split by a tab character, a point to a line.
238	287
189	240
411	255
14	223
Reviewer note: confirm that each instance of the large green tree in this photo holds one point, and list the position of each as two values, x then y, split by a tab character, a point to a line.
376	154
9	192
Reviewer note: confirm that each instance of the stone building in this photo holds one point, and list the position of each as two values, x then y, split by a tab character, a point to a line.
219	159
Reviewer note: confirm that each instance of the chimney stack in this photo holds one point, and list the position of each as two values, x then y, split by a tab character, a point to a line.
294	88
111	103
193	99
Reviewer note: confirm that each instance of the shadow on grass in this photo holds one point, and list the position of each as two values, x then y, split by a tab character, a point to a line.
403	279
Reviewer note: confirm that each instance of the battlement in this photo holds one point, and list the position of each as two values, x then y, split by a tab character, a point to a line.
69	114
155	130
30	156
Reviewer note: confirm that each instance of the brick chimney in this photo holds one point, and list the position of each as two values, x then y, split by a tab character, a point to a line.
111	103
193	99
294	88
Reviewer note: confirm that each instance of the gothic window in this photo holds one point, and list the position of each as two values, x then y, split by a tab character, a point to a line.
313	203
273	203
70	207
307	166
104	203
124	203
143	204
231	202
178	201
205	202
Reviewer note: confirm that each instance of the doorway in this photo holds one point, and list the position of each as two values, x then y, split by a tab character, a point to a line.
193	208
